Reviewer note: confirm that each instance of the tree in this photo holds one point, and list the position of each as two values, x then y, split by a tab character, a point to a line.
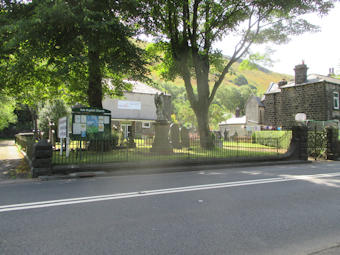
240	80
50	113
232	97
74	41
7	115
186	31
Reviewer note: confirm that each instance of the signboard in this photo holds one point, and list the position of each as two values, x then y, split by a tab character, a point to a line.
90	123
300	117
62	127
129	105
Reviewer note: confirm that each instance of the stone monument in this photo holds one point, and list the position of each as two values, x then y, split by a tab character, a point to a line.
161	142
185	137
174	136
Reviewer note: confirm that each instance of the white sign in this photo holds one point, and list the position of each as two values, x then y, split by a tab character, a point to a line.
106	119
77	118
62	127
300	117
78	128
129	105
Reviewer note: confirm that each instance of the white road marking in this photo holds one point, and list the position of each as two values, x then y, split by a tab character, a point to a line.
79	200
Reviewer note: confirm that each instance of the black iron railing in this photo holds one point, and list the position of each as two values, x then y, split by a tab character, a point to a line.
102	151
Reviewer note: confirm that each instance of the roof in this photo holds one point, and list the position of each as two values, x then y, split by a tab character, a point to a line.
234	121
311	79
137	87
142	88
257	100
273	88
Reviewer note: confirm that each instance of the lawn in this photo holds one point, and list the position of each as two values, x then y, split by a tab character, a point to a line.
230	150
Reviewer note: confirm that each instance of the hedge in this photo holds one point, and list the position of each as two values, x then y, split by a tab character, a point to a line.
272	138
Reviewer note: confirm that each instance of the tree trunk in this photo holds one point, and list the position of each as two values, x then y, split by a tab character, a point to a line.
94	91
202	116
34	117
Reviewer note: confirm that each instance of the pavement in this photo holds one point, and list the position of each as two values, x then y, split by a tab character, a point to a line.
12	162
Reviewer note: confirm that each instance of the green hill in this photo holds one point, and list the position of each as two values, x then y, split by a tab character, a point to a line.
259	78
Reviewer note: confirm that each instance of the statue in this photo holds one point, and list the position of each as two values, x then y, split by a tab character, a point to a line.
163	107
161	143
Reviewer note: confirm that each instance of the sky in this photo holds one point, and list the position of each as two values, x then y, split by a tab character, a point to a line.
319	51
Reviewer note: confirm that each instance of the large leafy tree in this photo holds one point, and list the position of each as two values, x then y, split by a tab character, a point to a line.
69	45
186	30
7	108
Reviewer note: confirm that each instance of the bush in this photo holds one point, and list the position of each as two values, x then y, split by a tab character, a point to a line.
273	138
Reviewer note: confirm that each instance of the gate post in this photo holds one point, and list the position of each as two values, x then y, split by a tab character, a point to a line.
299	142
332	141
42	159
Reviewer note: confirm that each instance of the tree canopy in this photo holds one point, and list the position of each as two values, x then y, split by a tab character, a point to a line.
7	108
68	46
186	31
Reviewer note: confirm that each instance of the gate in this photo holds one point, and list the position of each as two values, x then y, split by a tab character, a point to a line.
317	137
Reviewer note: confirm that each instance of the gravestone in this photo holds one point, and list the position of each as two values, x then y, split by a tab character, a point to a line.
174	136
226	135
185	137
234	136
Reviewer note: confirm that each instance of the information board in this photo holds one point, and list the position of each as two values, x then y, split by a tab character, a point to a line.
91	122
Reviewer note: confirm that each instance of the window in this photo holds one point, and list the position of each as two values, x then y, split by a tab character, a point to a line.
336	100
146	125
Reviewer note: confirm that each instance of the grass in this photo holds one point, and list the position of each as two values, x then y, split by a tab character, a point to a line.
142	152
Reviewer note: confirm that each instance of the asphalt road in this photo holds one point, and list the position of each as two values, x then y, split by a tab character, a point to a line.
290	209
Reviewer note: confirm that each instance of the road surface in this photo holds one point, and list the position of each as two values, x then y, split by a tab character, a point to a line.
290	209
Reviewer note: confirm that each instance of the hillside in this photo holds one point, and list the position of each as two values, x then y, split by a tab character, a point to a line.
260	78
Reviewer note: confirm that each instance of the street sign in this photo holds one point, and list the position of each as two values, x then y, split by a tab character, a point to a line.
62	127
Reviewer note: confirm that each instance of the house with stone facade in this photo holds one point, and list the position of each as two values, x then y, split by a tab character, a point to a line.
245	125
135	111
316	96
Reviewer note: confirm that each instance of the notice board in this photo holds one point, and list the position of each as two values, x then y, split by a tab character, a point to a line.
91	123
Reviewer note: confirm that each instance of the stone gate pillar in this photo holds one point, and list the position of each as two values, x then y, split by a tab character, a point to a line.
299	142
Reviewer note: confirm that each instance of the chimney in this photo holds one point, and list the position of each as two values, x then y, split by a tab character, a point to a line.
282	82
331	72
300	73
237	113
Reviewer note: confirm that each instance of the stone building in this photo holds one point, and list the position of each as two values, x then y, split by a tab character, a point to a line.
136	110
317	96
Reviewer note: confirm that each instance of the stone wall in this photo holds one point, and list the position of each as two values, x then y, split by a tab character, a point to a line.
315	100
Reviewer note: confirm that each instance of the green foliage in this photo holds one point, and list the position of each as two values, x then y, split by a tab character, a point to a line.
240	80
187	30
280	139
232	97
66	47
50	113
7	108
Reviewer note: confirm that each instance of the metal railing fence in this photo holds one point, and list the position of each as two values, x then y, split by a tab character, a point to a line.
104	151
